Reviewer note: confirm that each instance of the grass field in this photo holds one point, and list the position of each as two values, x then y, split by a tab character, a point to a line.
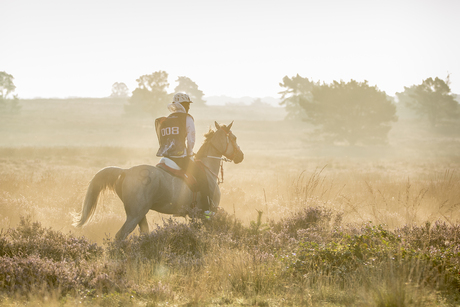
303	223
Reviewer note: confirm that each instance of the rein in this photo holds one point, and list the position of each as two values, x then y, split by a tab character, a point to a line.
222	160
221	180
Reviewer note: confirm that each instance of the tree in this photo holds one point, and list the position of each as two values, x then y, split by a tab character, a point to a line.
7	87
352	112
6	84
150	96
295	87
431	99
186	85
119	90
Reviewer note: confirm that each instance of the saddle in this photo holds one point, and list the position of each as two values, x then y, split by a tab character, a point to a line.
171	167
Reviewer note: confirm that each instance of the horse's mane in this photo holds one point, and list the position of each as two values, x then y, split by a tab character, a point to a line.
207	137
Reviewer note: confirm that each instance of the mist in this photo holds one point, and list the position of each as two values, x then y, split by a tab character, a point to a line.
380	204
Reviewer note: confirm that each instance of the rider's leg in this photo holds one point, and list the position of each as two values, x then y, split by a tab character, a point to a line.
182	162
200	175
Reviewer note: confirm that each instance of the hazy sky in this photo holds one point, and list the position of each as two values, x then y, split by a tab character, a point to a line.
236	48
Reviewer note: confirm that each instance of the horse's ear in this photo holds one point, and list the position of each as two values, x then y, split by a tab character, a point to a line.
230	126
217	125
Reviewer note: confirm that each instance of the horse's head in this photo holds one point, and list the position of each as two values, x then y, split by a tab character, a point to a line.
225	142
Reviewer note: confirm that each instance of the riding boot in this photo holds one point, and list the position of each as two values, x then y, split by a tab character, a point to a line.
208	213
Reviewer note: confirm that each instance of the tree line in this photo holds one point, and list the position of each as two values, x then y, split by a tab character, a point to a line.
151	95
346	112
355	112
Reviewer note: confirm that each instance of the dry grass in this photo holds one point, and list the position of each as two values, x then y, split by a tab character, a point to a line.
45	169
49	189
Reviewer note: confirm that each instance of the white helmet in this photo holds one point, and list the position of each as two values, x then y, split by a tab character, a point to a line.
181	97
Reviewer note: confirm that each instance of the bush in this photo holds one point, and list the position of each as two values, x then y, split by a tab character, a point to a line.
173	242
32	239
33	259
226	230
310	217
437	235
23	275
374	249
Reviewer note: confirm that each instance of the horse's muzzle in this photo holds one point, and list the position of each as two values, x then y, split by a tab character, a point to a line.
238	158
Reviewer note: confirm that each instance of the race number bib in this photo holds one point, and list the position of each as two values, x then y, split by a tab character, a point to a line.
169	130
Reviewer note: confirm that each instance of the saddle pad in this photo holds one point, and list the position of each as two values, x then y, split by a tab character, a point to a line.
170	163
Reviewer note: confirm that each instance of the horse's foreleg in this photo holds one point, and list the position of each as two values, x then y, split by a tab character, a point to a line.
144	226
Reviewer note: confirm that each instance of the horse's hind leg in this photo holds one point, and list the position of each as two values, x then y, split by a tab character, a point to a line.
144	226
130	224
126	229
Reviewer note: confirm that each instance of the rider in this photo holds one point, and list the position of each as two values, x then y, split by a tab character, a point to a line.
176	135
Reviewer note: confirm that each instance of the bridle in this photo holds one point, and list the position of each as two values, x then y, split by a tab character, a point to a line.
229	141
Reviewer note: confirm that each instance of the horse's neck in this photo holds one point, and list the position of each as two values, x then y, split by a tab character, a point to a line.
211	160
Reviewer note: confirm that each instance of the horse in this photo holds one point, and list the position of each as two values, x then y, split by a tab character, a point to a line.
144	187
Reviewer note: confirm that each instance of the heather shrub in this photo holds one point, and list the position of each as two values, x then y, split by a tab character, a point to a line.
30	238
174	242
312	224
373	250
23	275
344	254
310	217
309	249
439	234
438	245
35	258
226	230
224	223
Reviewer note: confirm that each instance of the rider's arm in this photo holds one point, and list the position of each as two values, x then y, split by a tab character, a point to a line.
190	126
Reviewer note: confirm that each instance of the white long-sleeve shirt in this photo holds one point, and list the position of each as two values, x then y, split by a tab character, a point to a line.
190	126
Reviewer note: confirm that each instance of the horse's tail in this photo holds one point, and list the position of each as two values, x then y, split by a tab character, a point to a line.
104	179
